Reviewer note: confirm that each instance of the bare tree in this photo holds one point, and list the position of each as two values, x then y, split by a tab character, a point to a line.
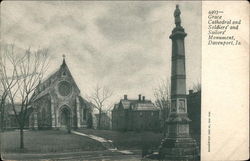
196	87
99	98
26	70
162	100
3	96
3	102
7	82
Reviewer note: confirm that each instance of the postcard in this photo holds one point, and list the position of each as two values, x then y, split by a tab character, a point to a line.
124	80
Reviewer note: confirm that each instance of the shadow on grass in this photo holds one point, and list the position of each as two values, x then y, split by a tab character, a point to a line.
129	140
47	141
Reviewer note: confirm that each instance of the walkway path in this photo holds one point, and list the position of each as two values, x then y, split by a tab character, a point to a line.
108	144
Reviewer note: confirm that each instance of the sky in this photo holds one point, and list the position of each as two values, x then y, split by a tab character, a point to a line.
122	45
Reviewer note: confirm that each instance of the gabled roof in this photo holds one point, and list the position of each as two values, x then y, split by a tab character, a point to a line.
50	77
84	101
62	68
145	107
126	103
135	105
116	106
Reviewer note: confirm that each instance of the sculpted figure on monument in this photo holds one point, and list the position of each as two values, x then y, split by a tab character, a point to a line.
177	17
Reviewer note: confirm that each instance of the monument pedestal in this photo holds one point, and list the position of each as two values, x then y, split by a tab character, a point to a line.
184	148
178	145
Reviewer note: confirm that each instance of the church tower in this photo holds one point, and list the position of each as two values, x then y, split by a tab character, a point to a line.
178	145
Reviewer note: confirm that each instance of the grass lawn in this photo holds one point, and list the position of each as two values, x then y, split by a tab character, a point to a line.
129	140
47	141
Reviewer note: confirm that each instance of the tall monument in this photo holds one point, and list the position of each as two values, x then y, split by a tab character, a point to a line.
178	145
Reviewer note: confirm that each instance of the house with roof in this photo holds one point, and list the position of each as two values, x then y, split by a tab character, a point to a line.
194	113
9	120
135	115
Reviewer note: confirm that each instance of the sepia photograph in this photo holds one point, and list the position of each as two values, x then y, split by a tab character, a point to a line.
100	80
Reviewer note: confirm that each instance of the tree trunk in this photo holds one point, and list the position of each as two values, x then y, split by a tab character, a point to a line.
164	128
2	106
99	119
21	138
2	118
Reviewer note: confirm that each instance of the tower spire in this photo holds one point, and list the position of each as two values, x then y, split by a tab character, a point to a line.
64	58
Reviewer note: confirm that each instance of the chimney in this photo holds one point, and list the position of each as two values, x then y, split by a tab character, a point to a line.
125	97
139	97
143	98
190	91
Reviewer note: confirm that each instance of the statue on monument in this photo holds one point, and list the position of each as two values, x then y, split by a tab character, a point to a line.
177	17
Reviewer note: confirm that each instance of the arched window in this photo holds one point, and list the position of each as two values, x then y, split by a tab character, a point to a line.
63	73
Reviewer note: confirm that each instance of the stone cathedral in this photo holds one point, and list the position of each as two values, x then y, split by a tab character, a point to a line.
56	103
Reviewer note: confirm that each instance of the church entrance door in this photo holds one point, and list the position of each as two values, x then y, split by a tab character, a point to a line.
65	118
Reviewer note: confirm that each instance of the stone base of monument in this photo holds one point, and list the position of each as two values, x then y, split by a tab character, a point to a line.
183	148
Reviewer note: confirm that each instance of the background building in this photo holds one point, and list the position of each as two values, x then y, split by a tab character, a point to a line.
9	120
136	115
194	113
105	121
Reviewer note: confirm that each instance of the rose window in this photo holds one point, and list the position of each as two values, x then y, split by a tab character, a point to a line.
64	88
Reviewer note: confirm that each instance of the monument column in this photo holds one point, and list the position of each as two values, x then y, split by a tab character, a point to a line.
178	145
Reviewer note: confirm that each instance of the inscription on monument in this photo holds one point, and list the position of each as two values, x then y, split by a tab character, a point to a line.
181	105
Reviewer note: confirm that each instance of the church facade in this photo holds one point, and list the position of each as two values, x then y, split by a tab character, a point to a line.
56	103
